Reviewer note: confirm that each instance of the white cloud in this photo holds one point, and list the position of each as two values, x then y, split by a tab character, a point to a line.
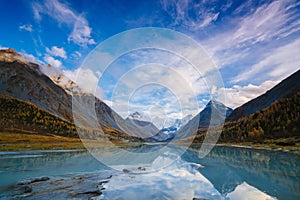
87	80
52	61
179	96
26	27
31	58
81	33
56	51
269	22
278	64
63	14
238	95
140	68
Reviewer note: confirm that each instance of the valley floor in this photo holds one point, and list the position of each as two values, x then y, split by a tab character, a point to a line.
20	141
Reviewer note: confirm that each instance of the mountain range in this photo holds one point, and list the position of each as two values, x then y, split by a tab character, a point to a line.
38	99
272	117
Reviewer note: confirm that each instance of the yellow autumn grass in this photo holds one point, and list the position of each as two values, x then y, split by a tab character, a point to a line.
20	141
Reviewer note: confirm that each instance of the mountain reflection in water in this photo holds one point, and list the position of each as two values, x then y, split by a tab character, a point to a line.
225	173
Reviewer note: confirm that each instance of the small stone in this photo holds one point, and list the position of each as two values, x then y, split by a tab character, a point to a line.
103	182
27	188
33	180
126	170
142	168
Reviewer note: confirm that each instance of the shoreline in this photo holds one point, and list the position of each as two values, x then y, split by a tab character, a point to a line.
290	149
266	147
10	142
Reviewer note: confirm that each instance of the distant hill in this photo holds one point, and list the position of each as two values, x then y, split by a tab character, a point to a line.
285	88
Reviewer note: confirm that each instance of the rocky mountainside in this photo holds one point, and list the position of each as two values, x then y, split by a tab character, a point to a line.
285	88
204	118
24	80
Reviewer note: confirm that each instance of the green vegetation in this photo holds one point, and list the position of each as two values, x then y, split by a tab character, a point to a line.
21	117
274	126
280	120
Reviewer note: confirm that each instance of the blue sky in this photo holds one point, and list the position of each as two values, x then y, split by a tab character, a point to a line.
254	44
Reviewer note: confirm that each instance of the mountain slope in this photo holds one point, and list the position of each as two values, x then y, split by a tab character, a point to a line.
219	109
204	119
285	88
279	120
24	80
23	117
20	116
276	124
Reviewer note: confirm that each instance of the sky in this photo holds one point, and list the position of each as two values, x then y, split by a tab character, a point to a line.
253	44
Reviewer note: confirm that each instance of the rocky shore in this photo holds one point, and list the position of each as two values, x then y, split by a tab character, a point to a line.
87	186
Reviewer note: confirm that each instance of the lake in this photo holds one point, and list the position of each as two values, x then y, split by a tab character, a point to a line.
225	173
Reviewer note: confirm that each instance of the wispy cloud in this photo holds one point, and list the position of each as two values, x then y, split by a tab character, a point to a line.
189	14
56	51
63	14
277	65
252	39
26	27
268	22
156	81
52	61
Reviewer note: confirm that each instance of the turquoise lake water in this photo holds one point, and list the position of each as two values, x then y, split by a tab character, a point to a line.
225	173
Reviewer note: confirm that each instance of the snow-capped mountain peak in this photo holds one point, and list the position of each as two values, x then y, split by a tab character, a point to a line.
135	115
